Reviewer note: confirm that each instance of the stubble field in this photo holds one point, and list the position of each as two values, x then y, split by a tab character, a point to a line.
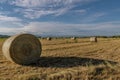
65	59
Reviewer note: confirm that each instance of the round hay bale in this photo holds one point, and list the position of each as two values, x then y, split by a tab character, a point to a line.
73	38
22	49
93	39
49	38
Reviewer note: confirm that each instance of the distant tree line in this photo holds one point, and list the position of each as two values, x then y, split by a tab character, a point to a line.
115	36
4	36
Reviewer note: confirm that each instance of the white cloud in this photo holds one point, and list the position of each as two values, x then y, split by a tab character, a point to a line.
7	18
93	17
56	28
10	24
47	3
11	30
8	30
44	3
72	29
31	13
37	8
98	14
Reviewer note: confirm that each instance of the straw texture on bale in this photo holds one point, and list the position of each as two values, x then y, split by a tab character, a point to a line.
93	39
22	49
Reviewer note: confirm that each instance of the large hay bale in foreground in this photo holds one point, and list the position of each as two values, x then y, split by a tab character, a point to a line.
93	39
22	49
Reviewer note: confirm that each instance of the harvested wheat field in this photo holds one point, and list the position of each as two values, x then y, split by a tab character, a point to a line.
66	59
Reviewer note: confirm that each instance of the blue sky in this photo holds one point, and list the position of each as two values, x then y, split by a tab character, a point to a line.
60	17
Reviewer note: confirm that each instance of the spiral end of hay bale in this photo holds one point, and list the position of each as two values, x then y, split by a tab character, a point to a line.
22	49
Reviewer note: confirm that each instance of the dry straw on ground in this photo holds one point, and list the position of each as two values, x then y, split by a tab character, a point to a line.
22	49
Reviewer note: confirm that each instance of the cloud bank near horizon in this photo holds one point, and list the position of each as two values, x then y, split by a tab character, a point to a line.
57	29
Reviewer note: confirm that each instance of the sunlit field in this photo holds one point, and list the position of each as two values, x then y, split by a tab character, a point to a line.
66	59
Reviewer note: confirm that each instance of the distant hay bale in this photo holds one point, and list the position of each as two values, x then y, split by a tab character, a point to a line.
49	38
73	38
93	39
22	49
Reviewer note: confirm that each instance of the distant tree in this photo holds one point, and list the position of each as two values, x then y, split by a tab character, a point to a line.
4	36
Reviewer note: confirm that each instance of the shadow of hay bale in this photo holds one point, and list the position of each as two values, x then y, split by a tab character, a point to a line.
66	62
